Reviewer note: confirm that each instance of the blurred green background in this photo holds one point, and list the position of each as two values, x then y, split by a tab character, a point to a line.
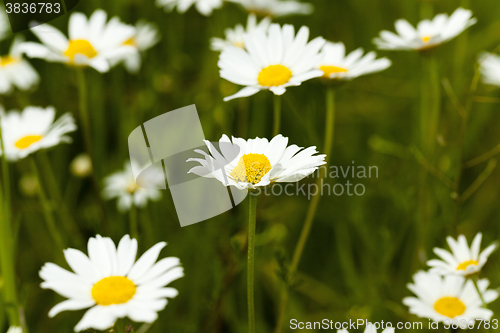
362	250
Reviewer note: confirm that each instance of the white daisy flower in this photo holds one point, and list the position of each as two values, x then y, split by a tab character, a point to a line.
33	129
146	37
450	297
276	8
489	65
204	7
122	185
428	33
16	71
4	23
111	283
462	260
271	61
236	36
93	42
256	162
370	329
15	329
336	65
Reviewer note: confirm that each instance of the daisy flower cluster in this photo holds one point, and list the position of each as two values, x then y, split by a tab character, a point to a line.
274	8
451	290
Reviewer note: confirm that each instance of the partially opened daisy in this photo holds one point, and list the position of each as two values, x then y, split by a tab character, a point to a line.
204	7
256	162
450	297
33	129
271	61
462	260
489	65
335	64
112	283
122	186
276	8
146	36
93	42
16	71
428	34
4	23
236	36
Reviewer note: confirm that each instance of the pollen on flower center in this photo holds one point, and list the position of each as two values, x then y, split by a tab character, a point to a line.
449	306
463	266
274	75
80	46
425	39
132	187
328	70
113	290
27	141
251	168
130	42
8	60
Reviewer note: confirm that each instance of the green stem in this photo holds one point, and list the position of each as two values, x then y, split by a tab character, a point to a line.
134	230
252	212
47	208
475	280
313	206
7	262
277	115
430	105
84	119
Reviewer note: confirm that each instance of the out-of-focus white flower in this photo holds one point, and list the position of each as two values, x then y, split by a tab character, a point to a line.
271	61
276	8
14	329
204	7
256	162
33	129
236	36
16	71
335	64
463	260
81	166
112	283
4	23
146	36
428	34
450	297
489	65
122	185
93	42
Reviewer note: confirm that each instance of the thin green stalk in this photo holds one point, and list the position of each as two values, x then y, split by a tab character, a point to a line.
84	119
313	206
144	328
277	115
47	209
134	229
7	261
252	212
475	280
430	105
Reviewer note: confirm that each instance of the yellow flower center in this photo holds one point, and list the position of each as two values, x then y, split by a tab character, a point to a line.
132	187
274	75
27	141
251	168
80	46
425	39
463	266
449	306
130	42
113	290
332	70
8	60
241	45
